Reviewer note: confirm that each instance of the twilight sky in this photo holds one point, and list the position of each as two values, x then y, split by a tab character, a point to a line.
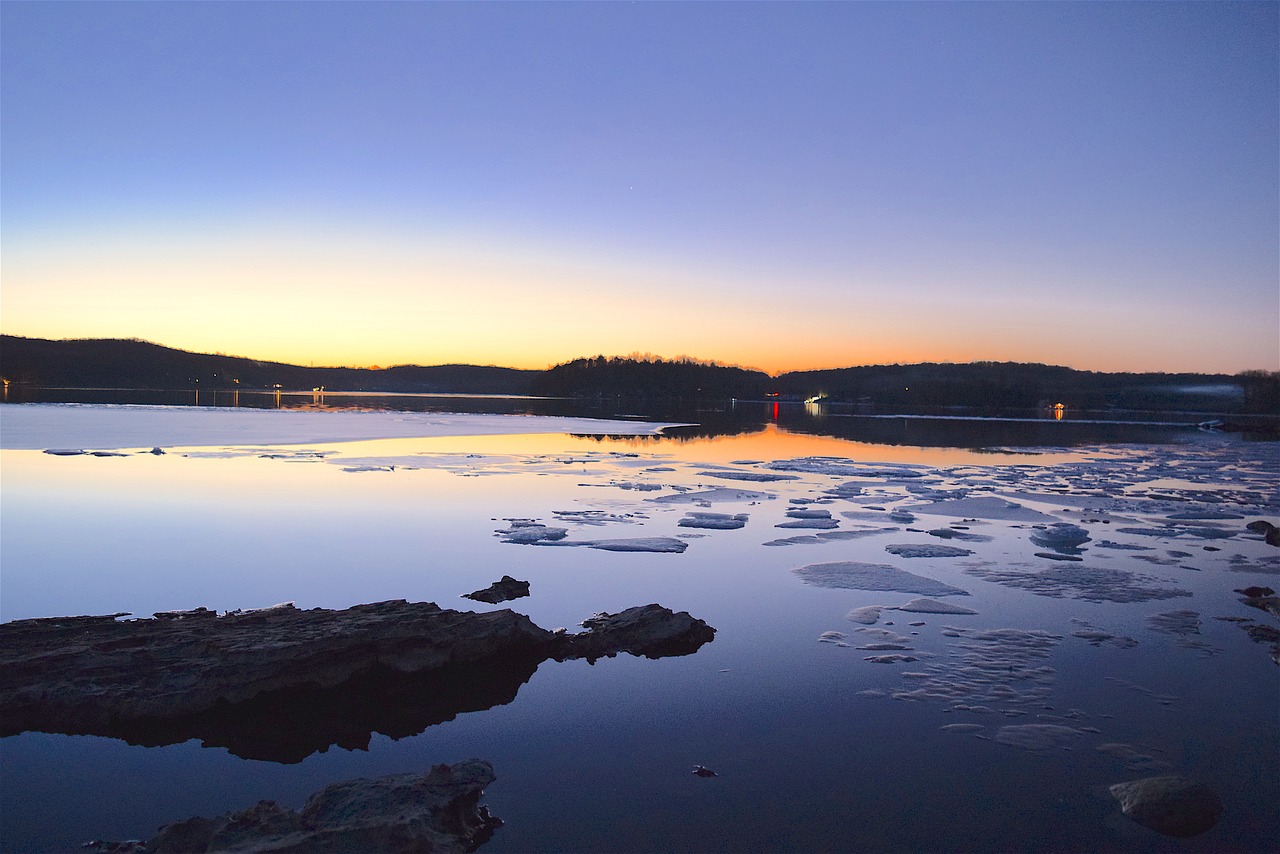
778	185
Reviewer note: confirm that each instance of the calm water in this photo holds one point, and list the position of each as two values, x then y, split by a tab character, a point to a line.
598	758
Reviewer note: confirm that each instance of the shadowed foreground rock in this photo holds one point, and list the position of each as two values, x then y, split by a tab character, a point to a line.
282	683
437	812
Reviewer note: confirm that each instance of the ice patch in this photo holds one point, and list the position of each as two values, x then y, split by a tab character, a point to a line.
933	606
1078	582
713	521
981	508
872	576
712	496
925	550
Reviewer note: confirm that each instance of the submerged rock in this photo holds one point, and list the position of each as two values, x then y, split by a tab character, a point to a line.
438	812
503	590
1172	805
283	683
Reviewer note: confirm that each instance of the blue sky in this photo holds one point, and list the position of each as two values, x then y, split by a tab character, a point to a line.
777	185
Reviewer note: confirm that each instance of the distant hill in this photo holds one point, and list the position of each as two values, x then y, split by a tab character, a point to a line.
112	363
1022	385
653	378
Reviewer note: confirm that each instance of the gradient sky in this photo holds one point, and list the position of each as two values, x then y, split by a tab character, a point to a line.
778	185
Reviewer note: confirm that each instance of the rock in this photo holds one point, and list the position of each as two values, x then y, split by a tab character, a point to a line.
503	590
1255	592
651	631
438	811
282	683
1172	805
700	771
1270	604
1270	533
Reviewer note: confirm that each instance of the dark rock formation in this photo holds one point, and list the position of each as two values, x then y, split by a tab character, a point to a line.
647	630
1255	591
1270	604
437	812
282	683
1269	532
1174	806
500	591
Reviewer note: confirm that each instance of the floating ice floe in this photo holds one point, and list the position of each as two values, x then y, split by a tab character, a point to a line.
1062	537
1182	625
713	521
1133	759
1039	736
820	524
933	606
1078	582
757	476
992	508
873	576
961	727
525	532
867	615
662	545
953	534
925	550
805	513
992	666
712	496
595	518
828	537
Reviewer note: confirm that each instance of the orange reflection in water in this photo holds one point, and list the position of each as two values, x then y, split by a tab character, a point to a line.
770	443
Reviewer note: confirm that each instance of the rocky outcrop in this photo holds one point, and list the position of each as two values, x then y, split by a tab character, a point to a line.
1270	533
438	812
282	683
650	631
1172	805
502	590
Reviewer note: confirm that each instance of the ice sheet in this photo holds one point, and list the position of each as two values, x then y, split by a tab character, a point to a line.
36	426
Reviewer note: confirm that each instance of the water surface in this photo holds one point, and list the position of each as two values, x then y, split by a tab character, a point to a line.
598	758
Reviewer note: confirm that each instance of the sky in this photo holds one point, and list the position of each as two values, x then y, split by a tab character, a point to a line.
783	186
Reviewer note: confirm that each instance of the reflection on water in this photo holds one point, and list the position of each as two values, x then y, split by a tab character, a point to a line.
951	428
1002	734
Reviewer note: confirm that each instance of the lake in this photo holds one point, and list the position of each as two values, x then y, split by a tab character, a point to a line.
1099	560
